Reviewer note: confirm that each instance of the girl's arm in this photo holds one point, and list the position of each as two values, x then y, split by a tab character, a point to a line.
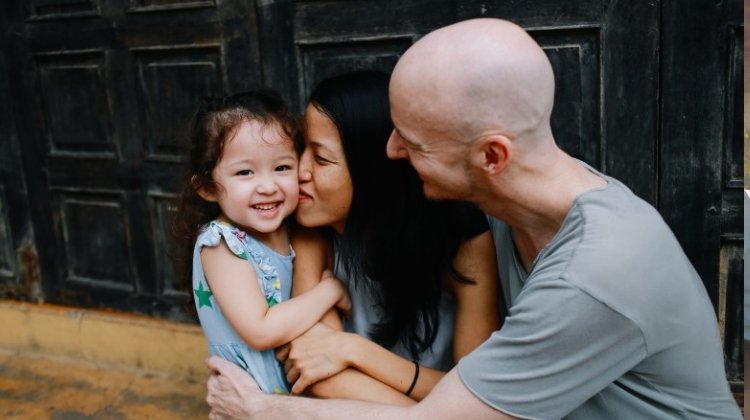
476	319
314	254
234	284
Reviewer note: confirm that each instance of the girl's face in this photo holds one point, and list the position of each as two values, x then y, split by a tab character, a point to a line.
256	178
325	195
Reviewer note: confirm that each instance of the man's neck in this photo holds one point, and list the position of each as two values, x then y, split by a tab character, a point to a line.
538	202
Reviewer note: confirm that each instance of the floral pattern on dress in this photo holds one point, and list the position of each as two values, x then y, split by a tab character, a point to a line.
238	242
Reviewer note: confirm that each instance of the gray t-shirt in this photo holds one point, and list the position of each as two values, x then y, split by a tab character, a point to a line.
612	321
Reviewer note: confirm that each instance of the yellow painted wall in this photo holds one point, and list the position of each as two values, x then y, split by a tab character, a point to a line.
104	337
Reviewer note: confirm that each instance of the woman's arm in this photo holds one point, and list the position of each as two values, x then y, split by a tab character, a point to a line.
325	349
476	304
320	352
234	285
314	254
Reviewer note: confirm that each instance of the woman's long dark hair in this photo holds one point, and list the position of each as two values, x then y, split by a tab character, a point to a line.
395	239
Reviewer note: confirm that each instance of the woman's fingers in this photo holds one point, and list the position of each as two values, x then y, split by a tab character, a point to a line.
282	353
300	385
292	374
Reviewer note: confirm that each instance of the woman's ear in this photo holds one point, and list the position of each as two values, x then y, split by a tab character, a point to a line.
496	152
201	189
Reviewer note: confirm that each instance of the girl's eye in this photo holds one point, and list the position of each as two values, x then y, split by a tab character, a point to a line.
244	172
282	168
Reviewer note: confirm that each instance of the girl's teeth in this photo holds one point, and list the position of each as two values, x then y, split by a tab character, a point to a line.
264	206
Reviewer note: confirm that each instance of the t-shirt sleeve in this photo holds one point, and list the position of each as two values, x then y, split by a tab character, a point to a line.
558	347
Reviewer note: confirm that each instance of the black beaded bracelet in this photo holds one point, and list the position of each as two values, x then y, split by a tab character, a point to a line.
413	381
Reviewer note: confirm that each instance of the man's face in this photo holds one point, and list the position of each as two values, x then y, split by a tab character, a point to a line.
441	163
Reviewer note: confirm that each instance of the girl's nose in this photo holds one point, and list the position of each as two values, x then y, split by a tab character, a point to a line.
267	185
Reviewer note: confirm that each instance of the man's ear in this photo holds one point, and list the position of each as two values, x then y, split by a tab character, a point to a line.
496	152
201	189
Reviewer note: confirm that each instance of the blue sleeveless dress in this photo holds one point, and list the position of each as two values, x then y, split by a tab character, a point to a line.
274	272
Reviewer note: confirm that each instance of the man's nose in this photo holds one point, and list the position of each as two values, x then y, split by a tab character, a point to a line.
395	149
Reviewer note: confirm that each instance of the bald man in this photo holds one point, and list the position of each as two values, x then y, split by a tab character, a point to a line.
608	319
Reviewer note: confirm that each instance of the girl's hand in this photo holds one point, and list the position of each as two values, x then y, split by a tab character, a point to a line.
344	304
317	354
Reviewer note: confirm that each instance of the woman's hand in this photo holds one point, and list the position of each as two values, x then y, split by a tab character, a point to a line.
319	353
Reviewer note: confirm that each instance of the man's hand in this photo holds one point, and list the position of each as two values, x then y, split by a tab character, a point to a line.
231	391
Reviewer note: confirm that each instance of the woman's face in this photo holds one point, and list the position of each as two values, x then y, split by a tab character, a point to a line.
325	187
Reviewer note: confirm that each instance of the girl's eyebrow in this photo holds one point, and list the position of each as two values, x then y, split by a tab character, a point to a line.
240	161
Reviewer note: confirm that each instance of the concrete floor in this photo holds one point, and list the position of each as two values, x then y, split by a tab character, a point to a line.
42	387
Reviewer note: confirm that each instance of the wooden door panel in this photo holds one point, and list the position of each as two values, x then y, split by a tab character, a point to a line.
169	83
95	239
320	60
356	19
331	37
575	58
75	91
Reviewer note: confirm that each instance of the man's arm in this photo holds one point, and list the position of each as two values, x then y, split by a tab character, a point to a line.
232	394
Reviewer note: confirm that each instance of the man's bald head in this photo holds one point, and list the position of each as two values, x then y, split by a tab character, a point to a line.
472	78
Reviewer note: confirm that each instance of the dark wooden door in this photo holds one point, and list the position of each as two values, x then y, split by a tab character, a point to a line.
647	91
101	91
18	261
701	149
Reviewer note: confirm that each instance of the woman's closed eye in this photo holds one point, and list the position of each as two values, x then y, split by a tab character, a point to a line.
323	161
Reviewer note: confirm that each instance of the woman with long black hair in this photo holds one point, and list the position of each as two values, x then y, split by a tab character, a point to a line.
421	273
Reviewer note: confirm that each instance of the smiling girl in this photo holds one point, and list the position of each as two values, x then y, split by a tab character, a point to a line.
242	186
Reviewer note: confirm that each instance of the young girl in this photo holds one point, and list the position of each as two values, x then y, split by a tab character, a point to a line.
241	187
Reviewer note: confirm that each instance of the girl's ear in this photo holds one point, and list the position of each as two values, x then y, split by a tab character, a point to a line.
496	152
201	189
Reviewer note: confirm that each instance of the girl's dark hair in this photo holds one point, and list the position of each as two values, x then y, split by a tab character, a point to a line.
396	240
212	125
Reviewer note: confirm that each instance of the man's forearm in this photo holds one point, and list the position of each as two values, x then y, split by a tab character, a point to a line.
288	407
